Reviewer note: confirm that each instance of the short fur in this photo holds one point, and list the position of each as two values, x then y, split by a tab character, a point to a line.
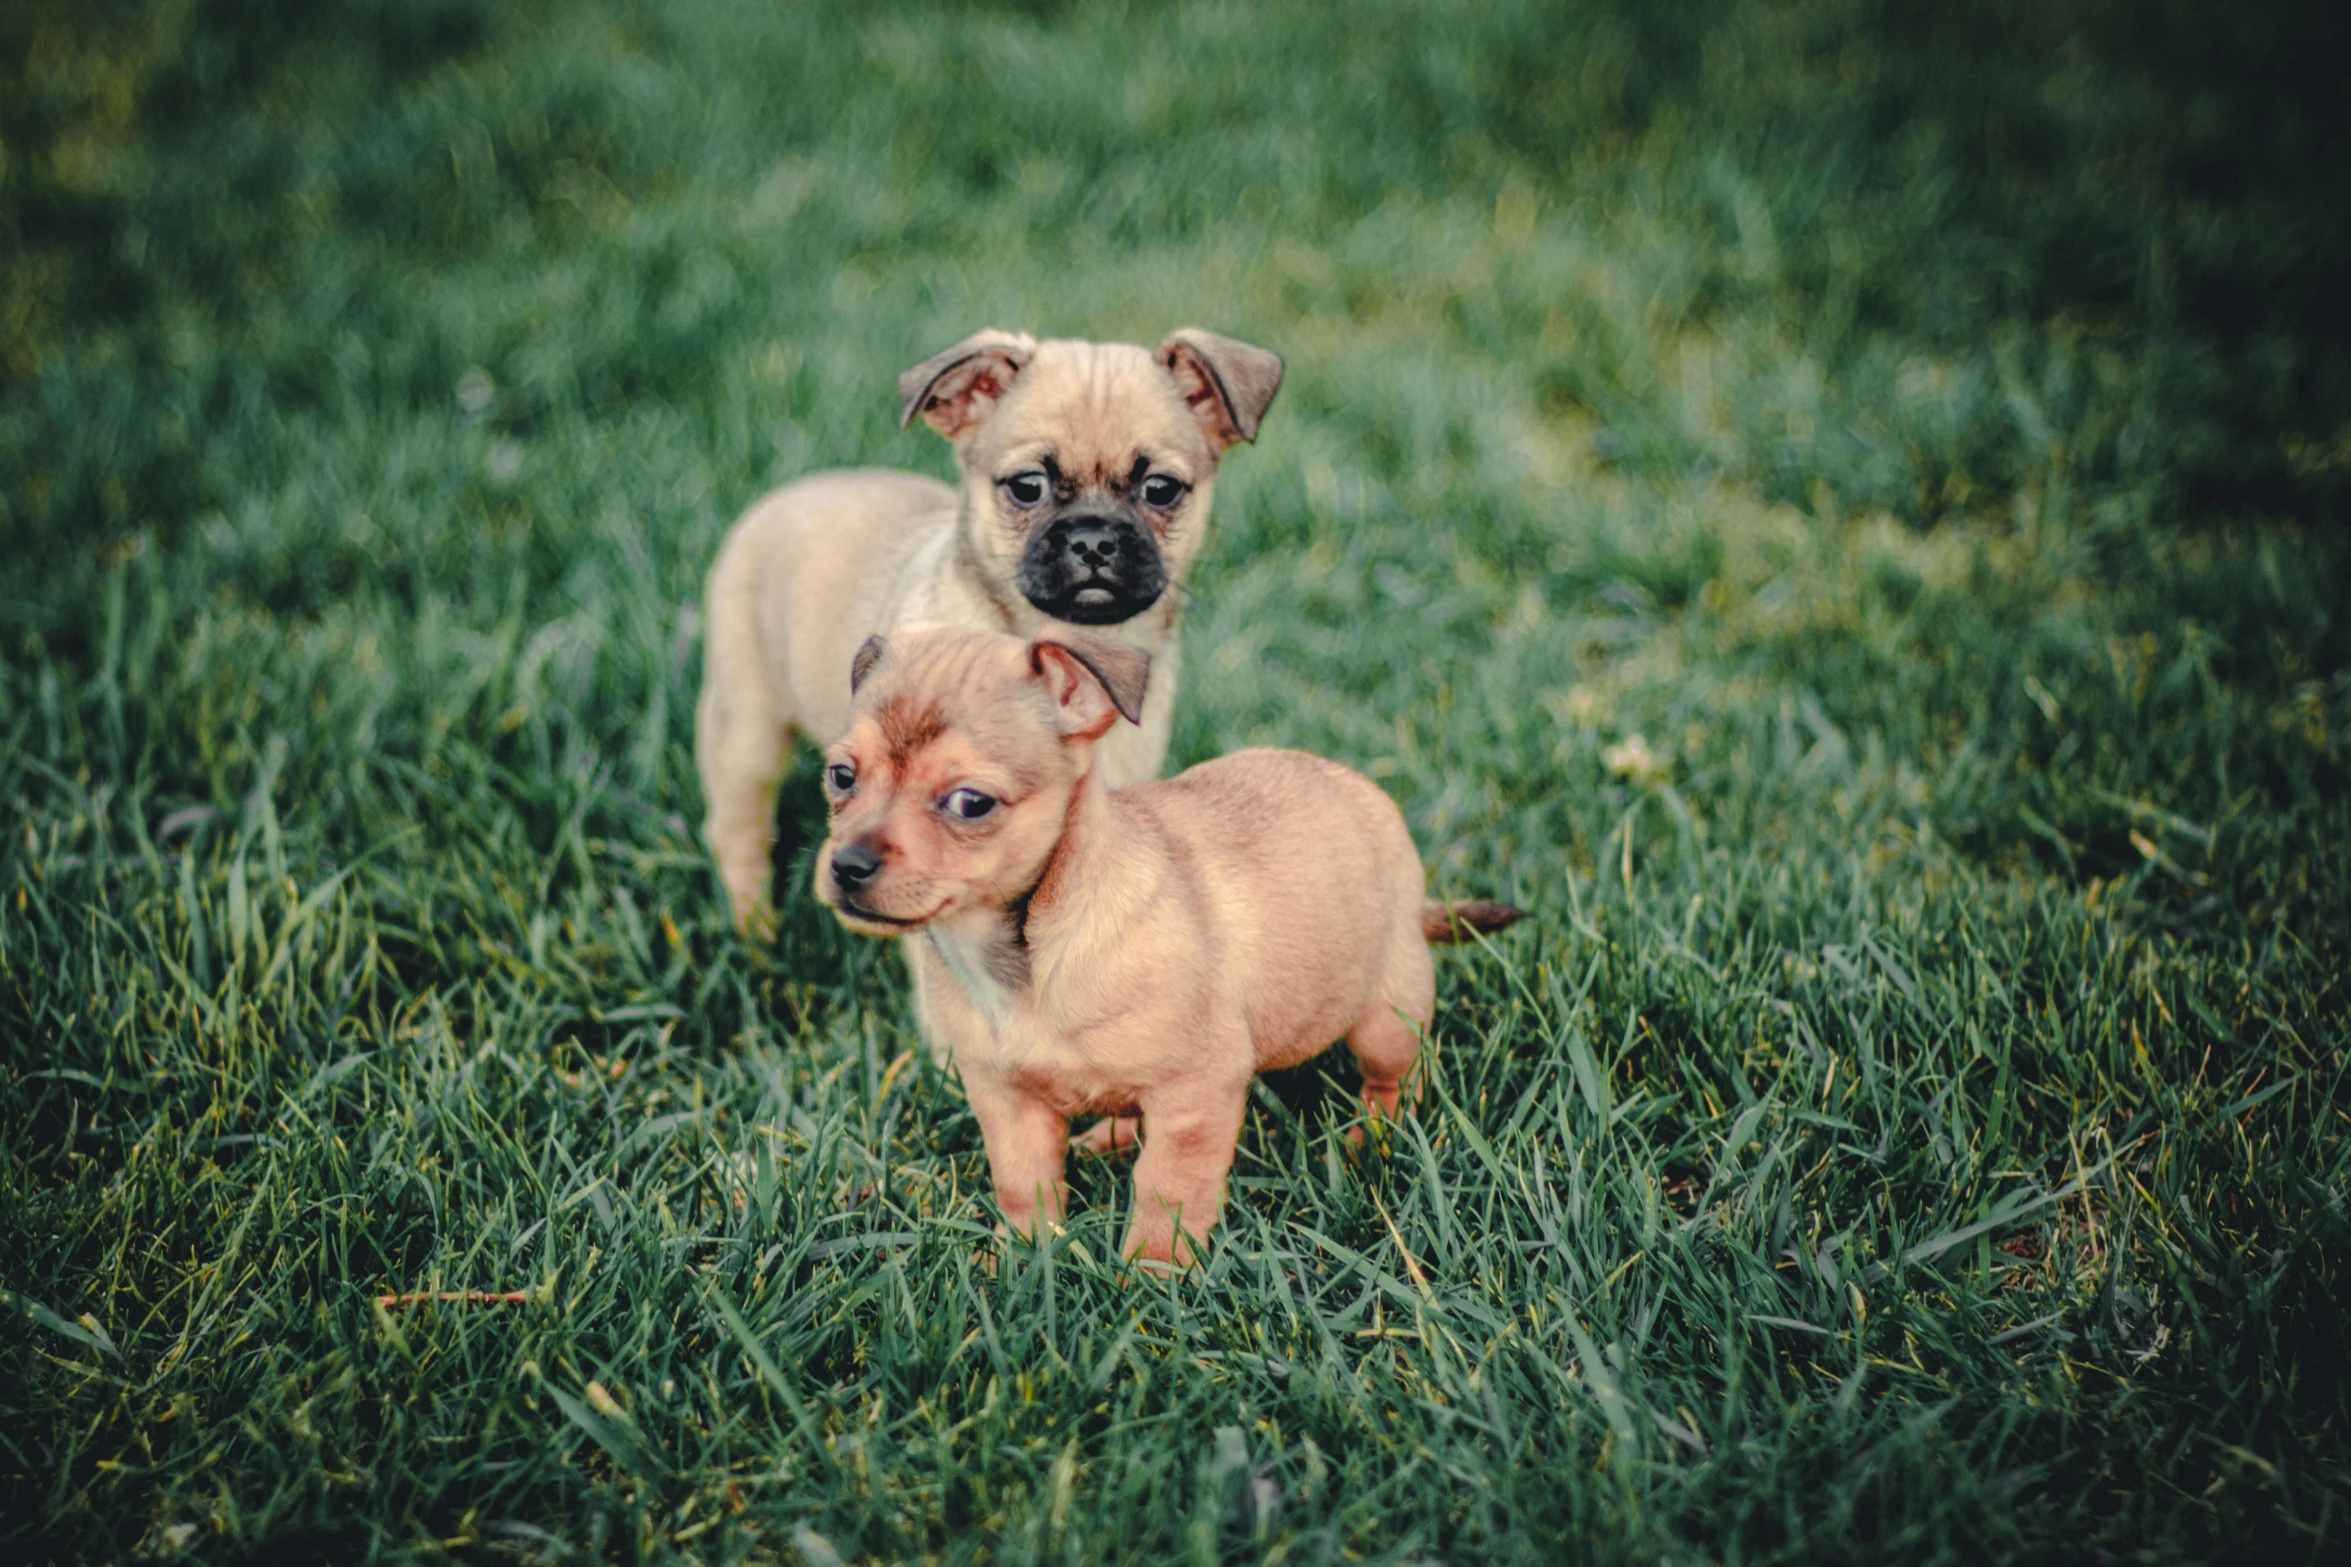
1137	954
813	569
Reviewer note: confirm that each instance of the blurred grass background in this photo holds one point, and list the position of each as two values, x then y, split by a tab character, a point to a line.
1836	506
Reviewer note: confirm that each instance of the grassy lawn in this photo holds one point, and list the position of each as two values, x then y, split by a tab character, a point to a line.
1839	513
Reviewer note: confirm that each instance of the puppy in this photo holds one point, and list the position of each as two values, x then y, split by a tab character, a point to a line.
1136	954
1087	472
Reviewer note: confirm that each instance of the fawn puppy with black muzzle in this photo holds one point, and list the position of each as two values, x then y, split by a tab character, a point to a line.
1138	955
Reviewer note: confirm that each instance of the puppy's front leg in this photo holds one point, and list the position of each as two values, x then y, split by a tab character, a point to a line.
1188	1146
740	743
1026	1140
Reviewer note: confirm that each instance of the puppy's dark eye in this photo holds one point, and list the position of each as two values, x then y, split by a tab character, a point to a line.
1164	491
968	804
842	776
1026	488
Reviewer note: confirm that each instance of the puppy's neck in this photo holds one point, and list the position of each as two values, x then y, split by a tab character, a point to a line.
990	952
986	950
1106	872
987	955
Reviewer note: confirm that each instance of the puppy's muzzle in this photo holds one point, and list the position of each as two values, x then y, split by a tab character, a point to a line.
854	866
1093	571
848	877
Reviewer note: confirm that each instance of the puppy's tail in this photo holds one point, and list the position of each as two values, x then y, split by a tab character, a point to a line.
1447	922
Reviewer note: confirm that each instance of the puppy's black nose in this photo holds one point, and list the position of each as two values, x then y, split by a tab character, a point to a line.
1092	547
854	866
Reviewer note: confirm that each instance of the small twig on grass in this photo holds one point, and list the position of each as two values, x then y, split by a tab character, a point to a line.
458	1298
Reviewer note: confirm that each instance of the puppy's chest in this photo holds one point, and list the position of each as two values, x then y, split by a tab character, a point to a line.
993	1019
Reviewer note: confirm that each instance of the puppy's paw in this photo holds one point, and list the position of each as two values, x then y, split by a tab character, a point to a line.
1113	1134
1384	1103
1155	1253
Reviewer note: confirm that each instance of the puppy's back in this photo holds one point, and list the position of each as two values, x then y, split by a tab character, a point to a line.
1307	878
814	567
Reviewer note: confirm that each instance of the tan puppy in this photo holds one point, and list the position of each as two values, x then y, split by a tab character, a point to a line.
1087	472
1141	953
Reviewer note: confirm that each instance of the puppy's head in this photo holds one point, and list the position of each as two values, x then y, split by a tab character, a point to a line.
1088	467
956	777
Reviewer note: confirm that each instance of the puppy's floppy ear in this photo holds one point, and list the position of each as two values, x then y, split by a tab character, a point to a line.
869	653
1229	384
954	390
1094	680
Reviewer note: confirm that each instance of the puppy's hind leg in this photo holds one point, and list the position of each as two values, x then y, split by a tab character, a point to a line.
1386	1039
740	743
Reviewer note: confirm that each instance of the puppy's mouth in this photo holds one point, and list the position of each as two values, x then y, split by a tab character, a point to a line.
869	922
1091	603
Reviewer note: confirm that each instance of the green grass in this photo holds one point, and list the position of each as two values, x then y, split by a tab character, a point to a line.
1911	1128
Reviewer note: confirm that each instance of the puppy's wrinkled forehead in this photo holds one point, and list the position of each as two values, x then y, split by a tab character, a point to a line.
934	687
1096	408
